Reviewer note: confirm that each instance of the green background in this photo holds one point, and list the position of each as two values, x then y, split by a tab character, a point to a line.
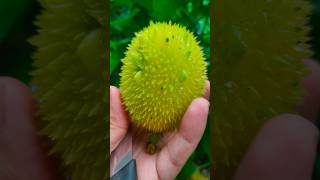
16	17
127	17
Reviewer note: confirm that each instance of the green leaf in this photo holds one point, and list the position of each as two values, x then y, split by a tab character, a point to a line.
114	60
205	139
116	44
188	169
10	11
316	170
164	9
122	2
206	2
146	3
125	19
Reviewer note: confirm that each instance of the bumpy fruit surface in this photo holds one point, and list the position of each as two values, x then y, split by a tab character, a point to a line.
70	77
257	70
162	72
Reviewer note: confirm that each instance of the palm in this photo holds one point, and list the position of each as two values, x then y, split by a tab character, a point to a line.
174	148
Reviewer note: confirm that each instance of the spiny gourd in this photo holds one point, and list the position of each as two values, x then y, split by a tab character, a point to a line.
162	72
257	69
70	76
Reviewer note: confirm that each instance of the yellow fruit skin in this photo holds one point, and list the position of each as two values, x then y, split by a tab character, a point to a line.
163	71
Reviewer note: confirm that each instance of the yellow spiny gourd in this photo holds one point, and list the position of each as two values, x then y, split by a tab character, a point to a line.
163	71
259	47
70	76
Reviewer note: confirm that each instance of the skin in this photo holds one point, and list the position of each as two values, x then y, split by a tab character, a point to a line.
23	156
175	147
284	148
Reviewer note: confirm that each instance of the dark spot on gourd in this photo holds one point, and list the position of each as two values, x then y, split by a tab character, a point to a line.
188	54
183	76
167	39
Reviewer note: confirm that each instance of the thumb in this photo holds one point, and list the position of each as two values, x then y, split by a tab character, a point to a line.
285	148
118	119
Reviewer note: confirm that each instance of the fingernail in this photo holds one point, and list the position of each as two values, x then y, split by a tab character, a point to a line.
204	99
111	92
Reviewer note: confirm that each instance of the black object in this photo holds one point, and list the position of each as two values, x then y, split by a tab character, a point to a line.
128	172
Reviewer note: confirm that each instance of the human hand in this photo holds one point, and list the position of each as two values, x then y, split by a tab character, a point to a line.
22	154
285	147
175	147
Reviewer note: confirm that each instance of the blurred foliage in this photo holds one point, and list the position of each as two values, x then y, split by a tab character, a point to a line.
315	42
70	80
257	70
9	13
16	17
315	33
130	16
